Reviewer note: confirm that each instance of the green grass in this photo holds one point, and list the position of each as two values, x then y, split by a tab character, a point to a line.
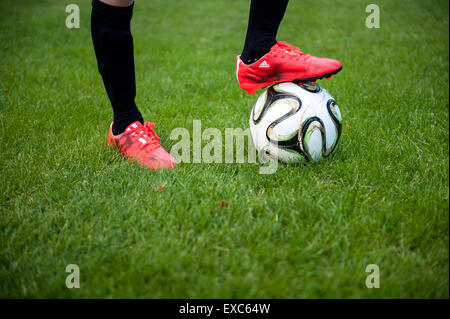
307	231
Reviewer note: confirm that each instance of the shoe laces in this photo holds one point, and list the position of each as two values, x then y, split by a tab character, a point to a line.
146	136
286	50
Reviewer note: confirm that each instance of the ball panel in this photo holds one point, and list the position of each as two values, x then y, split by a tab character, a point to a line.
314	143
259	105
335	115
285	126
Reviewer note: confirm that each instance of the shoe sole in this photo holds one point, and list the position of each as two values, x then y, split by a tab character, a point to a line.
313	79
304	80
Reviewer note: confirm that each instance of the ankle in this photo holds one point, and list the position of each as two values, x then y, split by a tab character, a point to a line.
122	122
118	3
256	51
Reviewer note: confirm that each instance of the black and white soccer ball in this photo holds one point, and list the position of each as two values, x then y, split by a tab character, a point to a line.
291	122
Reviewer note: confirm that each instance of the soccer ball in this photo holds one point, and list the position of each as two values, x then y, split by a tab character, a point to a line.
291	121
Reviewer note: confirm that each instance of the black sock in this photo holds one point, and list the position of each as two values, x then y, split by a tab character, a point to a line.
113	45
264	20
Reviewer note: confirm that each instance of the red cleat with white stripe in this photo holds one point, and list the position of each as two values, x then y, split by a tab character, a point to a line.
140	143
284	63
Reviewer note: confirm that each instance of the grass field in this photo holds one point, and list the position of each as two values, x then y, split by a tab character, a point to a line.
307	231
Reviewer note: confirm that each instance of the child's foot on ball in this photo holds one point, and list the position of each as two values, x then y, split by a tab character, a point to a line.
140	143
283	63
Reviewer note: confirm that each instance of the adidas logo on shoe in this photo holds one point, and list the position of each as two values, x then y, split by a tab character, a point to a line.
264	65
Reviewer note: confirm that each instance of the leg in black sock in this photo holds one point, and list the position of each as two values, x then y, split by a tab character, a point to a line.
113	45
264	20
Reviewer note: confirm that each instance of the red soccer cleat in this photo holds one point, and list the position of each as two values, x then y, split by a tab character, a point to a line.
141	144
283	63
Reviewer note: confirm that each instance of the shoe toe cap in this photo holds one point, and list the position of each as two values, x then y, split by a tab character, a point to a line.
163	159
